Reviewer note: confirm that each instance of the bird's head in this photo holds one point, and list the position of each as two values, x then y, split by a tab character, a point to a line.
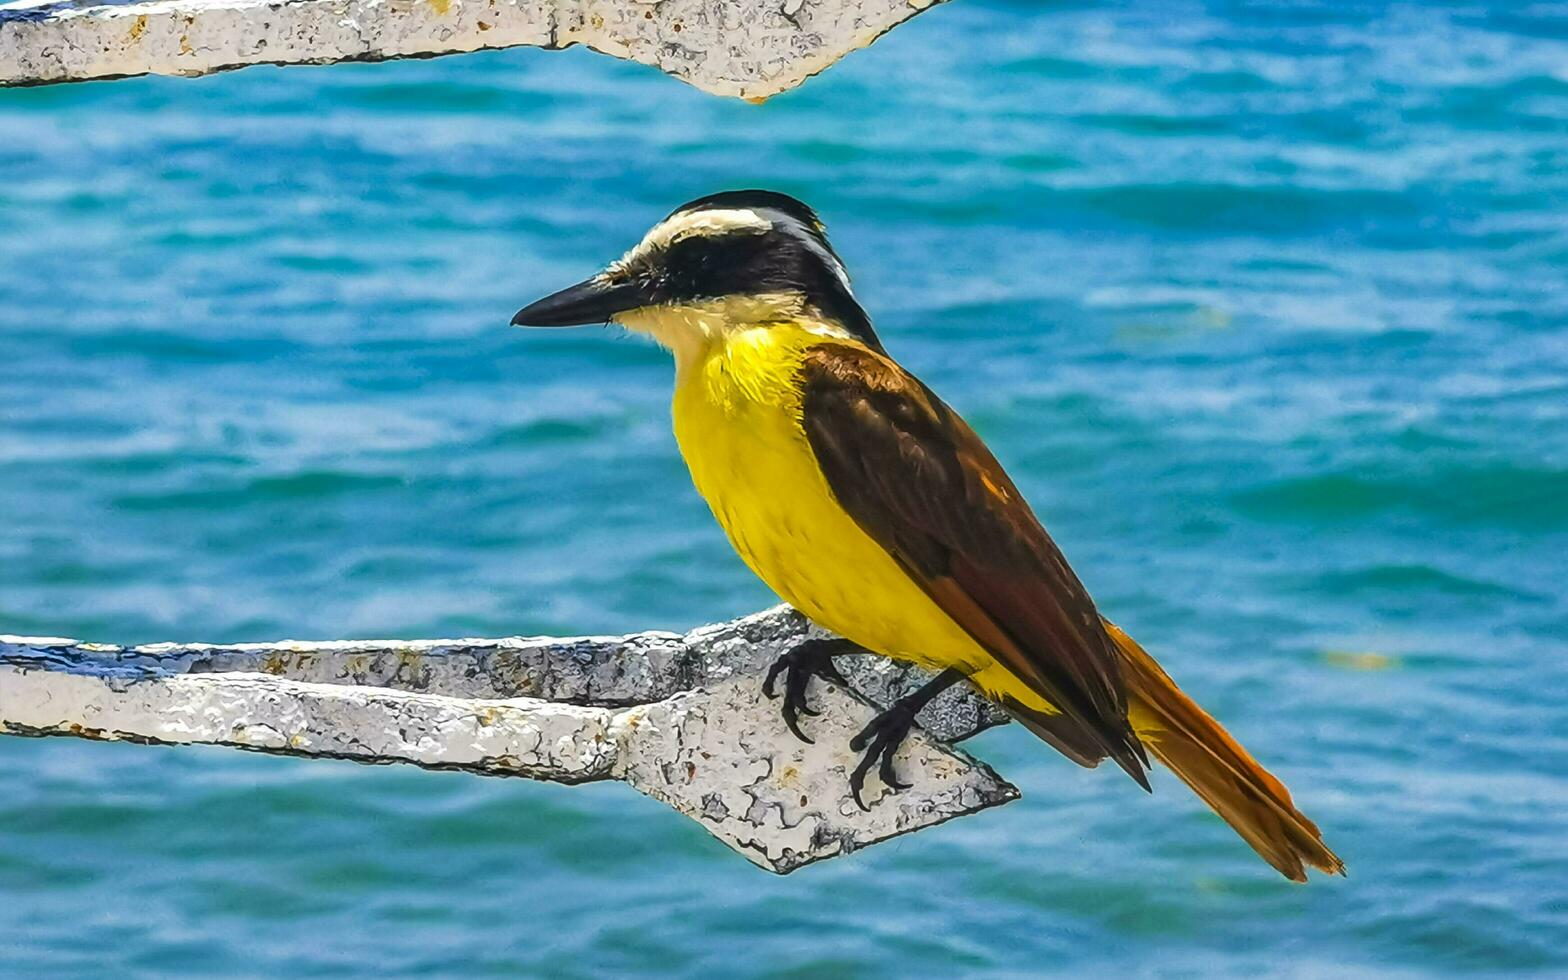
728	261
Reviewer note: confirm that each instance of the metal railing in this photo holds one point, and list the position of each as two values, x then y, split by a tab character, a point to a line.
750	49
681	718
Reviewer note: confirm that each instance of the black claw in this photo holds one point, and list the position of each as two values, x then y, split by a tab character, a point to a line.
881	740
887	732
886	772
799	665
773	673
795	691
857	781
792	720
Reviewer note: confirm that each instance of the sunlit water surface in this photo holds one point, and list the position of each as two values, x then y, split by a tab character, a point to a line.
1264	307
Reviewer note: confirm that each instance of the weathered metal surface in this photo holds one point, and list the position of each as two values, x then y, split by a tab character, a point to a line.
681	718
751	49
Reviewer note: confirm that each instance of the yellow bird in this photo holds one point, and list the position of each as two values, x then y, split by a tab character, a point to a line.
869	505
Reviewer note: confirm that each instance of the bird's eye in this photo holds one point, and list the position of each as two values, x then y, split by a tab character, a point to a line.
693	267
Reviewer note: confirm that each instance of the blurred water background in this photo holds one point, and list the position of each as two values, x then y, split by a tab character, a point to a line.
1263	304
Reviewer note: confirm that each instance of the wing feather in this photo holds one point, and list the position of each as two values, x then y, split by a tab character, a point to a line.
920	482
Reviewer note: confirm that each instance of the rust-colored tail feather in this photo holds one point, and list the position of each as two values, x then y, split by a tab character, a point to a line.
1193	745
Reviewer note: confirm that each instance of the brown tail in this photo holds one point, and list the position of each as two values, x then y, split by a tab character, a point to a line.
1194	746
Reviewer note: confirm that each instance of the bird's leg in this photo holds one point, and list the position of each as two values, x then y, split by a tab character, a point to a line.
888	730
813	657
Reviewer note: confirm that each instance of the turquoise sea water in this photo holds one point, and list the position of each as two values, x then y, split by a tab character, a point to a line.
1263	305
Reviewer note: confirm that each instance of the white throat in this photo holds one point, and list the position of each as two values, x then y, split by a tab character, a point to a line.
693	330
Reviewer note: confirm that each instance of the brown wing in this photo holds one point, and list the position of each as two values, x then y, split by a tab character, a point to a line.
917	479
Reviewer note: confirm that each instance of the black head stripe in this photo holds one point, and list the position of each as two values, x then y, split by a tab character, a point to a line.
793	256
776	261
755	200
801	214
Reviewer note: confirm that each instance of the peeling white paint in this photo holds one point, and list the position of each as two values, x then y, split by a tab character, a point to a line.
750	49
681	718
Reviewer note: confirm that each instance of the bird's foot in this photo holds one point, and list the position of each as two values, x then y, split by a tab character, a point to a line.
887	732
799	665
881	740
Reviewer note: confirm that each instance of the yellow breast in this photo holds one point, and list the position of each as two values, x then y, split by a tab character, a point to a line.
737	413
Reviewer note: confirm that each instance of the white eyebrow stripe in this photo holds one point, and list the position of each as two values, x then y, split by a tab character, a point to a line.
693	224
721	221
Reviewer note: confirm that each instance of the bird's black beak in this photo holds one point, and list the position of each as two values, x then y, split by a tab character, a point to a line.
591	301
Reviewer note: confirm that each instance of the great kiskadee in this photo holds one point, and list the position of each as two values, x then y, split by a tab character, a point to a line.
868	504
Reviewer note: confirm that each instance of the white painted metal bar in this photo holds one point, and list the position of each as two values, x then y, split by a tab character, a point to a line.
681	718
750	49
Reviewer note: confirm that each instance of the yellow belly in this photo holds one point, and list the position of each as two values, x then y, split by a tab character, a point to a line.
737	419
